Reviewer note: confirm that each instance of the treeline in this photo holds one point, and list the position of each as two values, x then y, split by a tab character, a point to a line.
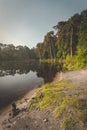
11	52
66	44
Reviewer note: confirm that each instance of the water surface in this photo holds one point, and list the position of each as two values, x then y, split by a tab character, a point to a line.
17	78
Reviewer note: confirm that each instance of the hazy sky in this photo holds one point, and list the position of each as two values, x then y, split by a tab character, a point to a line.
25	22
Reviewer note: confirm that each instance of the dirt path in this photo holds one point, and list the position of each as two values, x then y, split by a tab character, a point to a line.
76	77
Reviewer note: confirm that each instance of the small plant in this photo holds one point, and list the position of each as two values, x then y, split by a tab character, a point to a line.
67	123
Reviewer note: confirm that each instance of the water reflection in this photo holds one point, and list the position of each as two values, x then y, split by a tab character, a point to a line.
44	70
17	78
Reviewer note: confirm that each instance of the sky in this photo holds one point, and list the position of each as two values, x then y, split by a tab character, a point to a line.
26	22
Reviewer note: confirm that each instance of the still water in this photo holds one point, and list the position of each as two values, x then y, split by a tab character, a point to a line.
17	78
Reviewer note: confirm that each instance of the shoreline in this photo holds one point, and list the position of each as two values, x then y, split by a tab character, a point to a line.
20	103
75	77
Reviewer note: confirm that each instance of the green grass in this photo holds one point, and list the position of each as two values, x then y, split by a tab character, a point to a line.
66	107
69	103
53	95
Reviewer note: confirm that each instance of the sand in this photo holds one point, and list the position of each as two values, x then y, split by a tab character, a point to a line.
76	76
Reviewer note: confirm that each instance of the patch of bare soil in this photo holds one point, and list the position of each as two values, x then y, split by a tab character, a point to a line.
76	77
21	105
32	120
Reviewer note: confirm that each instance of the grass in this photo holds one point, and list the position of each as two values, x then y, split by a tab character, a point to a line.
67	123
68	108
69	103
53	95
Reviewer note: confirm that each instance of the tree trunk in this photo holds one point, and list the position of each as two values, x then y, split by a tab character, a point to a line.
71	42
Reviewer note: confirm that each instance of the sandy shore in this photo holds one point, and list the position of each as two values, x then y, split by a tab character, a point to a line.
20	104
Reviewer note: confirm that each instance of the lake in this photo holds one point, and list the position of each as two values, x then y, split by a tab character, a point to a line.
17	78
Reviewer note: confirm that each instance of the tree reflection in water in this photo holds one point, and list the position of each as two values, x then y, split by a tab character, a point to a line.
45	70
17	78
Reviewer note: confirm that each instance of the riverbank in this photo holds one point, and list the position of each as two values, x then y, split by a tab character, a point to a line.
60	105
21	104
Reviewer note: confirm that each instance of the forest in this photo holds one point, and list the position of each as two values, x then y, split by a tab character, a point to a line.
66	43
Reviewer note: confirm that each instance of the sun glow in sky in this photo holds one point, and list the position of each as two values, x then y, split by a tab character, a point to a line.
25	22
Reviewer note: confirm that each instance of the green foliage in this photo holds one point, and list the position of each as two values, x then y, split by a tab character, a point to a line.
82	56
70	63
77	62
10	52
69	44
59	54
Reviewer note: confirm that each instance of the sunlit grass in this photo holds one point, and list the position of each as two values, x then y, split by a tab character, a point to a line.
56	98
68	103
